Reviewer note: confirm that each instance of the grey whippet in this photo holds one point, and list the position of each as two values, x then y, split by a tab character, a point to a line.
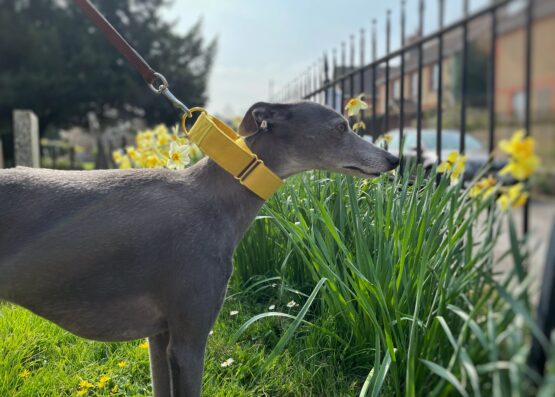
124	254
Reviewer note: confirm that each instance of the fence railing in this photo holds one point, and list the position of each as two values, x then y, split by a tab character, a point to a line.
334	84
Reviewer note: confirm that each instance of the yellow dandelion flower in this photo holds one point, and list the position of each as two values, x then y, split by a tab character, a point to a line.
144	345
102	381
355	105
85	384
25	374
122	364
81	392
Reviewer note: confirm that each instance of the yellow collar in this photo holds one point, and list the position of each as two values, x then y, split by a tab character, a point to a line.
229	151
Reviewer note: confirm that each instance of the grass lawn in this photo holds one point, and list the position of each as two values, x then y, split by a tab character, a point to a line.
41	359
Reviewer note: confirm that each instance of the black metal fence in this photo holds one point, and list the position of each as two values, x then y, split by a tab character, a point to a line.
334	82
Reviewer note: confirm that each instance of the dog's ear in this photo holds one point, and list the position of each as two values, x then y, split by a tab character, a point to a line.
259	118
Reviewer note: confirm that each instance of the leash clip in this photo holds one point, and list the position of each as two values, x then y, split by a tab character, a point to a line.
163	89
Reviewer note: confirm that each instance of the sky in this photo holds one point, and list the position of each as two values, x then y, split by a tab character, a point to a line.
275	40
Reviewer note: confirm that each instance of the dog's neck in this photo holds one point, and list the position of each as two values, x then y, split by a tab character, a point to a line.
234	206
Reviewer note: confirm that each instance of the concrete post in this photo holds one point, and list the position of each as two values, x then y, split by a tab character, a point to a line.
1	154
26	138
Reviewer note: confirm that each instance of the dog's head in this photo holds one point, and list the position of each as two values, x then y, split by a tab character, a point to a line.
296	137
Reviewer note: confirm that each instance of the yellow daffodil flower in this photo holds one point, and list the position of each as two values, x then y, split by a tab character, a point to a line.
145	139
458	170
523	161
152	161
179	156
485	187
124	163
117	156
514	197
454	163
133	153
359	125
355	105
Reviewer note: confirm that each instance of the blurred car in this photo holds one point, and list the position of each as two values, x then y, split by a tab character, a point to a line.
477	154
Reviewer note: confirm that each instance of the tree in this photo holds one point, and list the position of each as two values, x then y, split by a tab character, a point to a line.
56	63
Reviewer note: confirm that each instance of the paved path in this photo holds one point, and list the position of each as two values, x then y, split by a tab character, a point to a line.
542	217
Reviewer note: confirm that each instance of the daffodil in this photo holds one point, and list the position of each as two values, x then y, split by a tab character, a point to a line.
162	136
523	161
117	156
179	156
145	139
152	161
485	187
387	138
458	170
133	153
124	163
359	125
521	169
454	163
227	362
355	105
515	196
144	345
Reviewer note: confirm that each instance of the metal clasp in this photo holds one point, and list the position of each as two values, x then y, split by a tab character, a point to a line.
163	89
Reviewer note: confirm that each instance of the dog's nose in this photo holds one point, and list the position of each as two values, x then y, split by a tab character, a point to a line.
393	160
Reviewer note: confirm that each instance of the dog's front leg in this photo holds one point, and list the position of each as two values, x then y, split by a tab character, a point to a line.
159	365
186	360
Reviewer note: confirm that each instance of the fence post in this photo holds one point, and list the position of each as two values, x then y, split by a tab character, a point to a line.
26	138
1	154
